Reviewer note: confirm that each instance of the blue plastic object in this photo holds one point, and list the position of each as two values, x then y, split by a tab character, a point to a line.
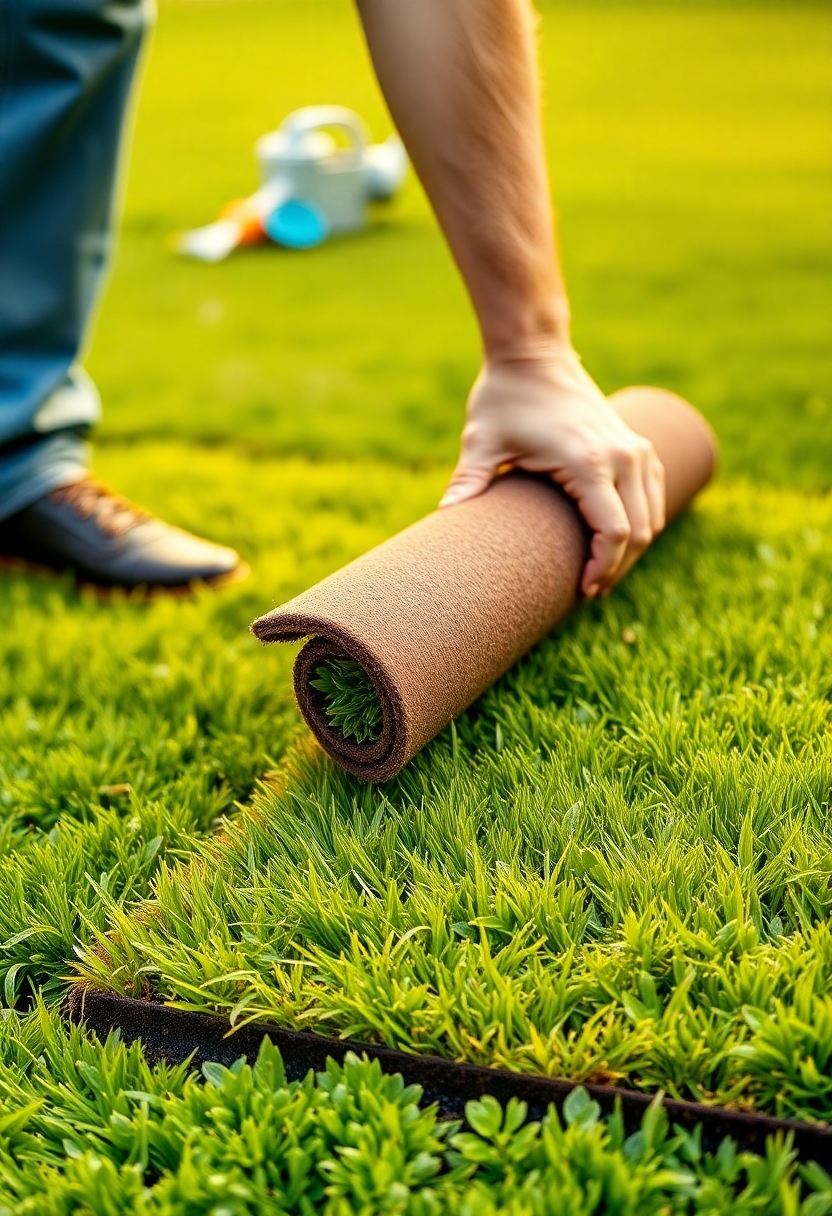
297	225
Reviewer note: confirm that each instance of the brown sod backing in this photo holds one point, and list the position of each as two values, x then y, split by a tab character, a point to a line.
175	1035
436	614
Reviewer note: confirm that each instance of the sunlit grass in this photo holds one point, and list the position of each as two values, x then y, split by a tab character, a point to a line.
128	728
617	864
93	1128
614	867
350	701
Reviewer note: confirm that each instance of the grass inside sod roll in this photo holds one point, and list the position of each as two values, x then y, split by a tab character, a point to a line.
91	1127
350	701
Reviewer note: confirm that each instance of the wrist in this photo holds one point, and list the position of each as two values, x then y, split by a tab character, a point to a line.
543	354
527	334
535	370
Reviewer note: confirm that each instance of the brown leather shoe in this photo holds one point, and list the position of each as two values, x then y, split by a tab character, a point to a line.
108	542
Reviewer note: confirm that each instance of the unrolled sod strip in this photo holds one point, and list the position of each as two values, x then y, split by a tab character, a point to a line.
175	1035
437	613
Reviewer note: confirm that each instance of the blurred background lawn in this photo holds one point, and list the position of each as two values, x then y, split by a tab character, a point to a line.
690	151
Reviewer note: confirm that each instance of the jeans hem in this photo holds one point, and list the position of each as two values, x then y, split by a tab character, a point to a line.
40	484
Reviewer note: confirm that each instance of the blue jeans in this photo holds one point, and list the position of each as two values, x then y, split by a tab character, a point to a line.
66	67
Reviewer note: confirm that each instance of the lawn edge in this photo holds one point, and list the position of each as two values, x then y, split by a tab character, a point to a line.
172	1035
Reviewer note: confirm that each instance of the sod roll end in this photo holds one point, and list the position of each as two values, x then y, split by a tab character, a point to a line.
432	617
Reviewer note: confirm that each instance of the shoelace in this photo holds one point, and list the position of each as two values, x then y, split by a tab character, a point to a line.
91	500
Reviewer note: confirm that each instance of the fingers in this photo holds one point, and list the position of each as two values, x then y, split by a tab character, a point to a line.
654	489
625	514
656	494
468	481
632	486
476	468
604	511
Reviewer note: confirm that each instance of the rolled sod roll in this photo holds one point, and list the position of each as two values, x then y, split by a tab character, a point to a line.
419	627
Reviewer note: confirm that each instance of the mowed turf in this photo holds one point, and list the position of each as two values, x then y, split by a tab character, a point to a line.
616	865
92	1128
128	727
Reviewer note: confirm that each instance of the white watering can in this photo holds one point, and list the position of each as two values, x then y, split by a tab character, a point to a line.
312	186
337	180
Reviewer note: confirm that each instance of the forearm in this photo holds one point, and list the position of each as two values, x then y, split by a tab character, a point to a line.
461	81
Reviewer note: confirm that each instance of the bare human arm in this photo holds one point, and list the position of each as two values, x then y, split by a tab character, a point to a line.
460	78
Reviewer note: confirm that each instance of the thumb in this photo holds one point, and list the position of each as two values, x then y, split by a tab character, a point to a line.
468	480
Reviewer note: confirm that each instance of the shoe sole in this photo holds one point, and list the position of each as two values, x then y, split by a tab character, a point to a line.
138	594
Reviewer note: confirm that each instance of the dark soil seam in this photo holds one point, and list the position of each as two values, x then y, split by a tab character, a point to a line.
173	1035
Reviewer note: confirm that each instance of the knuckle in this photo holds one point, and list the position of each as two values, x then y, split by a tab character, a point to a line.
595	461
641	538
471	432
469	475
619	532
625	457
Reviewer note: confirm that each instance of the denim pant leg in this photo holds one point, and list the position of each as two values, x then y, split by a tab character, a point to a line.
66	68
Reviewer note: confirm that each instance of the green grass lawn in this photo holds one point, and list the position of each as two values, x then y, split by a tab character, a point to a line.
616	867
128	728
617	864
690	148
92	1128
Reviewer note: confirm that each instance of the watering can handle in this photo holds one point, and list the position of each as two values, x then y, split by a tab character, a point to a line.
312	117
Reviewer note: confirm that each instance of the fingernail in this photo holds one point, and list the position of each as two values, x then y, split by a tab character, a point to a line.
593	591
448	500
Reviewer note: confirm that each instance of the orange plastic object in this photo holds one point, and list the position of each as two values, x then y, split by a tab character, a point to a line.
251	224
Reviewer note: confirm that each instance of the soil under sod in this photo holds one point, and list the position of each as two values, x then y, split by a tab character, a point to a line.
173	1035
